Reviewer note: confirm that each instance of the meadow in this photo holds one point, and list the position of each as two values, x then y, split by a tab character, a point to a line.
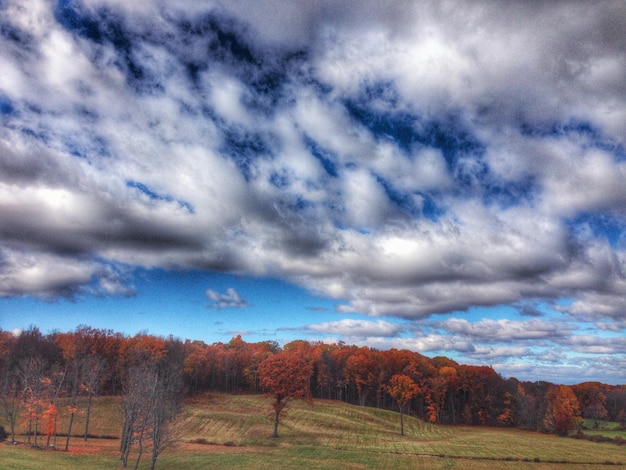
234	431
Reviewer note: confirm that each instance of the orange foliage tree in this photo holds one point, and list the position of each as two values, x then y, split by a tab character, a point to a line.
562	410
362	369
50	421
402	389
285	375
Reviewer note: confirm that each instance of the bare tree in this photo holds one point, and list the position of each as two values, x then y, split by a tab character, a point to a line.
92	377
56	380
10	399
166	401
73	384
134	405
150	403
32	378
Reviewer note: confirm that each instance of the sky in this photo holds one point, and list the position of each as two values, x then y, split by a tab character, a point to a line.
445	177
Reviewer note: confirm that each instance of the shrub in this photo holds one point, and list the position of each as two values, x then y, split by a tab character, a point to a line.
600	438
3	434
619	440
203	441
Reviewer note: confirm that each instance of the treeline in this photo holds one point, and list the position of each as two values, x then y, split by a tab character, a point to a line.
38	370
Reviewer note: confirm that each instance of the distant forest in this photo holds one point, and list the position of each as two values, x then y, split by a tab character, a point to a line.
37	371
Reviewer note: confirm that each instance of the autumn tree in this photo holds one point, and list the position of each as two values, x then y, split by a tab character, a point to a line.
562	410
49	417
285	375
196	365
362	370
436	390
336	365
402	389
592	400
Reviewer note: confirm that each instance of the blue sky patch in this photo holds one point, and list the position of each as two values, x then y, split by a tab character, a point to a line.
398	127
325	157
6	106
611	227
243	147
155	196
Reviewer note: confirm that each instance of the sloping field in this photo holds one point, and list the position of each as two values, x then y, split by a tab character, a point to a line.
223	431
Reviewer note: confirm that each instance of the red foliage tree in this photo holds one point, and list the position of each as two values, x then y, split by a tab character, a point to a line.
362	369
285	375
402	389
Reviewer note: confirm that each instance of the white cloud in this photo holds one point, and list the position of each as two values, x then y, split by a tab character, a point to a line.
499	352
357	328
596	345
440	344
229	299
505	330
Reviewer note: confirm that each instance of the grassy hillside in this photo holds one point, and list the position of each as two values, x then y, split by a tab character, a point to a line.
222	431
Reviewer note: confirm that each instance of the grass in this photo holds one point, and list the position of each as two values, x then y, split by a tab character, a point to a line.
222	431
604	428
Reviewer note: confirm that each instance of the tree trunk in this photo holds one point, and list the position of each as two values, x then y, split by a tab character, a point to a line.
69	431
13	415
275	425
35	434
401	423
30	429
88	415
56	421
125	442
452	408
12	428
140	451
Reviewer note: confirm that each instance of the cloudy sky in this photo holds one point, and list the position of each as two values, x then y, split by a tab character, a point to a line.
447	177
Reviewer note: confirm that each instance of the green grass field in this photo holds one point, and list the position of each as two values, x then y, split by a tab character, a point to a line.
603	428
223	431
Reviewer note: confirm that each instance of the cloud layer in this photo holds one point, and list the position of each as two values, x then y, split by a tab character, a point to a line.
405	159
